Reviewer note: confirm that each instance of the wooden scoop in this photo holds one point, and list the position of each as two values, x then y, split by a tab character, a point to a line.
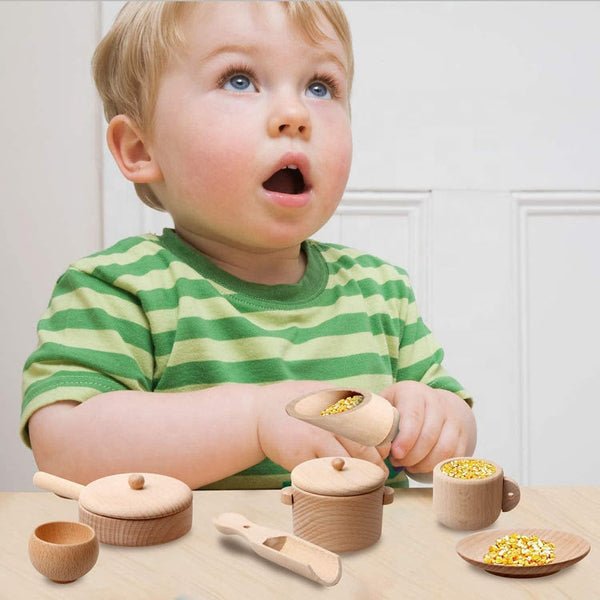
373	422
284	549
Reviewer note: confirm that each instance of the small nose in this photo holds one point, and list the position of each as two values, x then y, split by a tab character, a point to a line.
290	118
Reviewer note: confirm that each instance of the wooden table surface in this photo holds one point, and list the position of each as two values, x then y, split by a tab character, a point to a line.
415	557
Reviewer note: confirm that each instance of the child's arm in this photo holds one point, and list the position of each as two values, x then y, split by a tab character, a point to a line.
434	425
198	437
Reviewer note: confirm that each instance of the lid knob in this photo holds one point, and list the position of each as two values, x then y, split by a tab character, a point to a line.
338	463
136	481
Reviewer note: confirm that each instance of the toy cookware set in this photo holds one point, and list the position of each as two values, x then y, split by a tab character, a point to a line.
337	503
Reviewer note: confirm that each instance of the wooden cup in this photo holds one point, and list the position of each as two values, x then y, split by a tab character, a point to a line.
469	504
63	551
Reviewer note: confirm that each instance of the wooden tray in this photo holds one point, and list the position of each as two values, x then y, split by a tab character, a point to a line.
570	548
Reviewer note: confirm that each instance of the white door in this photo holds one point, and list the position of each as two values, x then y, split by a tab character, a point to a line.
476	130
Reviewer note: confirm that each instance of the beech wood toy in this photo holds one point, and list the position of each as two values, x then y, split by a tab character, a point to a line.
63	551
569	549
128	509
371	422
337	503
471	503
291	552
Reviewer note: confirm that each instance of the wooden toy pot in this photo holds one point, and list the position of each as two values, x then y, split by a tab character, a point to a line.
469	504
128	509
337	503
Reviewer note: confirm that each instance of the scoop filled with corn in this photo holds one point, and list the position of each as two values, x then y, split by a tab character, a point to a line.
468	468
358	415
520	550
343	405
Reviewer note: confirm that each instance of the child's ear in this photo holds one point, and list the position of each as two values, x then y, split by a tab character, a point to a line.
127	145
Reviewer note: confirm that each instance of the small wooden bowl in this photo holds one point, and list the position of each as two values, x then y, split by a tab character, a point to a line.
570	548
63	551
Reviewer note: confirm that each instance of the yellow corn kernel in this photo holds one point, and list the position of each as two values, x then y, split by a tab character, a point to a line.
520	550
342	405
468	468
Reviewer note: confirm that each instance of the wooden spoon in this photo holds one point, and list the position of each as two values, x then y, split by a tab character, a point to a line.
570	548
289	551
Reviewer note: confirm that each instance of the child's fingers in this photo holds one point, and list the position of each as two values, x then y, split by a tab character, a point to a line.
363	452
412	415
429	436
448	444
384	450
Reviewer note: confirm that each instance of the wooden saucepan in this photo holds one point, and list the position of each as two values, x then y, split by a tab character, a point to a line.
128	509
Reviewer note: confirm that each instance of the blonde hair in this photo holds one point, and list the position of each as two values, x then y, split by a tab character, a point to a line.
130	60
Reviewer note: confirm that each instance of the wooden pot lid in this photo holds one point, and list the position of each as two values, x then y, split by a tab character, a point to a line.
332	476
136	496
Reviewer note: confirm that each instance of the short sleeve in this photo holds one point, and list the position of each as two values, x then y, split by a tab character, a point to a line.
420	356
93	338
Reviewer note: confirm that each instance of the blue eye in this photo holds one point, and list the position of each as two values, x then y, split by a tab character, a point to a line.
318	89
239	83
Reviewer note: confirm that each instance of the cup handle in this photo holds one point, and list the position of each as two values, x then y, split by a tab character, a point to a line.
511	494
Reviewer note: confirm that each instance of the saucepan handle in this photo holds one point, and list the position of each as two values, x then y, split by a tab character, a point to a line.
58	485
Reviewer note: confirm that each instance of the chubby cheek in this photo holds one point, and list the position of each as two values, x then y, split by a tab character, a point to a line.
207	167
339	161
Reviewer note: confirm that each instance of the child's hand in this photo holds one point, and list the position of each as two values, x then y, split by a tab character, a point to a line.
434	425
288	441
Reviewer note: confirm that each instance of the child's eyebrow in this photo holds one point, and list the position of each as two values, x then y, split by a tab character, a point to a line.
323	56
229	49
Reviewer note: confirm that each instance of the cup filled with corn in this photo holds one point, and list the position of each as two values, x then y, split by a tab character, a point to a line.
470	493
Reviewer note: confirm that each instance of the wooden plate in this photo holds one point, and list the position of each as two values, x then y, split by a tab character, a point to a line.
570	548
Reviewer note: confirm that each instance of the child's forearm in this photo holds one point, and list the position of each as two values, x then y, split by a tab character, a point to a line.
198	437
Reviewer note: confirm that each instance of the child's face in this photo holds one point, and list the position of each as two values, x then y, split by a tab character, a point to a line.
247	96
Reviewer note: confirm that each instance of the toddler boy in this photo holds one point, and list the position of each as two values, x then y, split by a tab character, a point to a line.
178	353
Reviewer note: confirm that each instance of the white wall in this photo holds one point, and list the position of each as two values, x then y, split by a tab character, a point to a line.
476	131
49	183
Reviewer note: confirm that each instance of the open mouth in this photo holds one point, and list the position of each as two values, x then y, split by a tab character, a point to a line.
288	180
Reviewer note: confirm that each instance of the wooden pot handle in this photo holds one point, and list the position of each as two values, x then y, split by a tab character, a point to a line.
58	485
388	495
511	494
287	496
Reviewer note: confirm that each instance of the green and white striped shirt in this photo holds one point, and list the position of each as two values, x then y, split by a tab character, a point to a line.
153	314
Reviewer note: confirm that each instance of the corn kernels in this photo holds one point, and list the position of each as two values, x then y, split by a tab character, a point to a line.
343	405
520	550
468	468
